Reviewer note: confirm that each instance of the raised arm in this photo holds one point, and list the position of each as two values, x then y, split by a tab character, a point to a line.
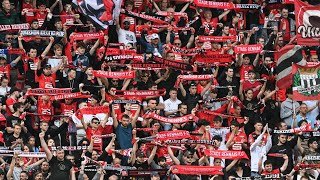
285	164
45	146
153	153
94	47
135	117
106	119
183	91
84	124
114	116
173	157
223	14
45	52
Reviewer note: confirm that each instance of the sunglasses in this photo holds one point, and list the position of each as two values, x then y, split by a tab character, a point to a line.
177	44
96	122
145	76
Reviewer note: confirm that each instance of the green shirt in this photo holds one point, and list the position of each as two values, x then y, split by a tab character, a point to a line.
10	18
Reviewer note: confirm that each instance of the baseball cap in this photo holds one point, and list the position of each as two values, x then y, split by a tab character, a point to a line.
126	20
140	154
154	36
3	56
47	66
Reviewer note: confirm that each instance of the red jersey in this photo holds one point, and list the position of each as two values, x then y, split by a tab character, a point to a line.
68	109
45	108
29	15
253	136
244	70
97	143
67	19
5	70
274	174
10	101
213	22
47	81
41	17
249	85
200	87
238	141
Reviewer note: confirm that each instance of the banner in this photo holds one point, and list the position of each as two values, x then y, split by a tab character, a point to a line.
306	128
14	27
43	33
211	58
95	110
174	64
182	51
171	135
177	120
77	95
100	13
306	82
226	154
248	49
123	56
140	93
189	141
307	23
12	51
217	38
196	170
144	16
148	66
86	36
125	101
247	6
285	57
118	74
193	77
212	4
52	91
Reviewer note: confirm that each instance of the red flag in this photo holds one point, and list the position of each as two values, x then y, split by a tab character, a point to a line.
307	23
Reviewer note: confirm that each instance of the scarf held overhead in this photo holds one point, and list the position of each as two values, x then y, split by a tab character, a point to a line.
226	154
118	75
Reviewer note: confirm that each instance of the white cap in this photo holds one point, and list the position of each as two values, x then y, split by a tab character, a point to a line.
154	36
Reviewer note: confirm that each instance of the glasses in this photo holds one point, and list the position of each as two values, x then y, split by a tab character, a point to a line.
114	80
71	159
96	122
145	76
126	23
177	44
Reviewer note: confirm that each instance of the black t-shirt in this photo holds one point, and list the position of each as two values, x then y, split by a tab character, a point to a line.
12	120
142	166
11	139
191	101
59	169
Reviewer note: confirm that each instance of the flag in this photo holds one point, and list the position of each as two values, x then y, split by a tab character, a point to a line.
285	57
99	12
307	23
306	82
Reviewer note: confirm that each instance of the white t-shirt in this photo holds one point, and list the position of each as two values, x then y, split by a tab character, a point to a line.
171	106
126	37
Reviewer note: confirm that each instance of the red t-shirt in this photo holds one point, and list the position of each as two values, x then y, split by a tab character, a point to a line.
68	109
66	19
10	101
238	140
45	108
97	144
253	136
41	17
244	70
274	174
47	81
29	15
248	85
286	36
5	70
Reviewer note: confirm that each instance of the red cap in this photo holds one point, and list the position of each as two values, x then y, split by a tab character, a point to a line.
312	52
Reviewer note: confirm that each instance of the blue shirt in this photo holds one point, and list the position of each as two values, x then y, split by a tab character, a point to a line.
124	136
308	118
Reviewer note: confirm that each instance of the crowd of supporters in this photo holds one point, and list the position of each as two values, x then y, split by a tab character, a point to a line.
235	107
